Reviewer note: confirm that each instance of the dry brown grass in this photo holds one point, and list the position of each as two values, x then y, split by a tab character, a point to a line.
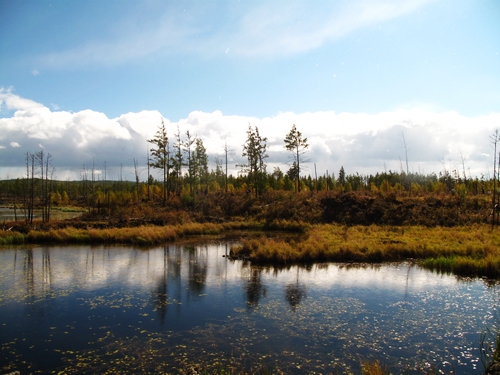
465	250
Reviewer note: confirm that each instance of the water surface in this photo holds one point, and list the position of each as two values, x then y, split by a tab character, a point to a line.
185	307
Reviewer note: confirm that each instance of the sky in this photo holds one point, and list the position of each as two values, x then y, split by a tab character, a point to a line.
371	84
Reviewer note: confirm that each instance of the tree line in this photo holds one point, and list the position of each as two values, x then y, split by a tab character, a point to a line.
183	162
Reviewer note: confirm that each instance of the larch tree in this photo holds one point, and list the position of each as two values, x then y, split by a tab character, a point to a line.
191	164
160	154
255	150
201	163
297	145
178	161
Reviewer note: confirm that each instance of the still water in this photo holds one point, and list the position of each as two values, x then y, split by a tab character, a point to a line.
185	307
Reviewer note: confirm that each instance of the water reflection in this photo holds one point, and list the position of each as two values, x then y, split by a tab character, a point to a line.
197	273
160	296
255	289
295	292
125	309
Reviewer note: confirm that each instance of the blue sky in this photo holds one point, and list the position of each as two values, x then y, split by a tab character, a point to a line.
353	75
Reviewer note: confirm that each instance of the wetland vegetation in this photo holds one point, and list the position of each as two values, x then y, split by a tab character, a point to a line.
445	232
273	221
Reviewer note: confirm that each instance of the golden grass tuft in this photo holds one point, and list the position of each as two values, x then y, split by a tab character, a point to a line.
134	235
463	250
11	237
373	368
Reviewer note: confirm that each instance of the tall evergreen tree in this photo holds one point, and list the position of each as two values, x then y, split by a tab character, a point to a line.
161	157
191	161
297	145
341	179
201	163
255	150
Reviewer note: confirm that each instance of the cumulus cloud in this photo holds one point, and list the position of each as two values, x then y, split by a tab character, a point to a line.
363	143
10	101
73	139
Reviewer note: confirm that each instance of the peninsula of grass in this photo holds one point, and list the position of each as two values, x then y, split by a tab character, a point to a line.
472	250
466	250
140	235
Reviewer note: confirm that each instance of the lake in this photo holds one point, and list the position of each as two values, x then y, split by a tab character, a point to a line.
186	307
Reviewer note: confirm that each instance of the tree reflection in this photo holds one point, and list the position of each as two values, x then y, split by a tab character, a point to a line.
295	292
197	271
46	272
160	294
255	289
29	274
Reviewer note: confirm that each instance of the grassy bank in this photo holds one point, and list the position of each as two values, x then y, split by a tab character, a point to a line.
464	250
143	235
471	250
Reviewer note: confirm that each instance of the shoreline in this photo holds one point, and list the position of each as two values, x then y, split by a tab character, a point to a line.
472	250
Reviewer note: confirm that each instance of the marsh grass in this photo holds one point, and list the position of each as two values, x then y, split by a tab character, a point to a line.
141	235
11	238
374	368
463	250
472	250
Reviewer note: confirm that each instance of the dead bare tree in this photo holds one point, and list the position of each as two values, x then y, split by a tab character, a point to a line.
494	138
407	167
136	172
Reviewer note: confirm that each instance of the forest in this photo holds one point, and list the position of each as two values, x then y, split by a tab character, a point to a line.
190	192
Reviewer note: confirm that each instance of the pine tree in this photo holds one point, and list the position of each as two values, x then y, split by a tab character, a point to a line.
297	145
254	150
161	157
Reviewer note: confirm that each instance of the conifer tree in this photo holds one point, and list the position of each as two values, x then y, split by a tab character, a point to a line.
254	150
297	145
161	157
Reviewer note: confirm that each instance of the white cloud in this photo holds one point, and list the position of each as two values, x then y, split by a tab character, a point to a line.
255	29
144	123
360	142
10	101
274	28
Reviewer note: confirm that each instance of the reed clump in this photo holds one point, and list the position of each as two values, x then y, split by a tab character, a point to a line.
146	235
374	368
11	238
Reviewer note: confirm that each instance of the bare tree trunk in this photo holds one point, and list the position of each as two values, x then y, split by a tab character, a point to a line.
149	183
494	139
48	186
136	172
225	181
32	192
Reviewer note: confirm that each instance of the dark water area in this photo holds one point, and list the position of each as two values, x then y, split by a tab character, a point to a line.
173	308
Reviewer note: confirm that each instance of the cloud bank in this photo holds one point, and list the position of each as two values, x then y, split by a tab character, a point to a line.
361	143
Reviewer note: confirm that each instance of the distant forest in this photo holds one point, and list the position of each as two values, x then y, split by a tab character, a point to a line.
189	186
